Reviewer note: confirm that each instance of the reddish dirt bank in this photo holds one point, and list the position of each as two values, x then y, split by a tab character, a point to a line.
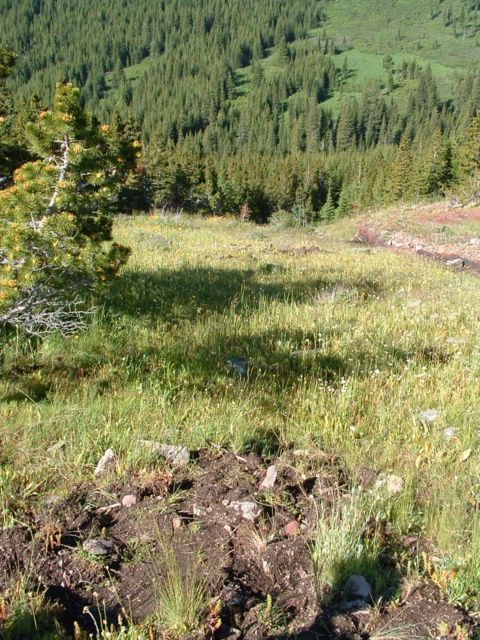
460	253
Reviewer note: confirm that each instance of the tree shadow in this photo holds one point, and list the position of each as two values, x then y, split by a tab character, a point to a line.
180	293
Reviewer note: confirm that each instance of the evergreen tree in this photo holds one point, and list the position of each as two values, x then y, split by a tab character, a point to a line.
344	207
328	211
55	218
403	169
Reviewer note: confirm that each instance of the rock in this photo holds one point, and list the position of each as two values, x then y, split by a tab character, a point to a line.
98	547
389	481
270	478
429	416
129	500
238	366
177	523
292	528
357	588
246	508
228	633
177	455
57	446
449	433
105	463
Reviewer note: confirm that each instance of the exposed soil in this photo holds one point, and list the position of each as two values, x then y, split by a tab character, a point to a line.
460	254
193	516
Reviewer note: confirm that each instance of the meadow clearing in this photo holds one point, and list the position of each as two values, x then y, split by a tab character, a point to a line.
363	359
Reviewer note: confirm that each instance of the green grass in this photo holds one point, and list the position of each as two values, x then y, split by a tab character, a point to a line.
346	347
399	28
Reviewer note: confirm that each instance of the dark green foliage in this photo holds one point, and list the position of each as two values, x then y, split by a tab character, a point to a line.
56	217
230	101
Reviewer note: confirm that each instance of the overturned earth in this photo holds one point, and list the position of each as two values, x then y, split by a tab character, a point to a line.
243	526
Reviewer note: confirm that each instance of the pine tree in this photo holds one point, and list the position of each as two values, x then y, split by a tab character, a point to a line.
344	206
402	171
283	52
469	160
55	218
328	211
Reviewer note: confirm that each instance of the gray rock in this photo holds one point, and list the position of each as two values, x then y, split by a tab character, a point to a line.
454	262
429	416
98	547
246	508
357	588
389	481
238	366
105	463
449	433
177	455
57	446
270	478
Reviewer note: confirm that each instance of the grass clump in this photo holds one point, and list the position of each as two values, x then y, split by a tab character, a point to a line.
341	548
182	596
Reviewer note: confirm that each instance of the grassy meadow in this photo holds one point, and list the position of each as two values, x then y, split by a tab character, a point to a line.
346	346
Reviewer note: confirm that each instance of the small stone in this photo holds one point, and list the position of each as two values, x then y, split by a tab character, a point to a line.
389	481
177	523
57	446
98	547
455	262
177	455
292	528
129	500
449	433
247	509
429	416
270	478
238	366
105	463
357	588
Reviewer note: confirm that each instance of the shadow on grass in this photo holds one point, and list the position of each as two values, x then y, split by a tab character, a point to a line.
171	294
277	358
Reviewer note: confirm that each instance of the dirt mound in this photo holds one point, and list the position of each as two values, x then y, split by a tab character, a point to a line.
242	525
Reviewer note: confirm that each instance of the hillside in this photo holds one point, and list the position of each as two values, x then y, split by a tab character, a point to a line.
156	62
349	372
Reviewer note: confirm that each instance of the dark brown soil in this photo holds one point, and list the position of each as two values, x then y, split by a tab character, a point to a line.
191	517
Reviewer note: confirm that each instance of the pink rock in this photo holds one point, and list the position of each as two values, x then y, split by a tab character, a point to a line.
292	528
129	501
